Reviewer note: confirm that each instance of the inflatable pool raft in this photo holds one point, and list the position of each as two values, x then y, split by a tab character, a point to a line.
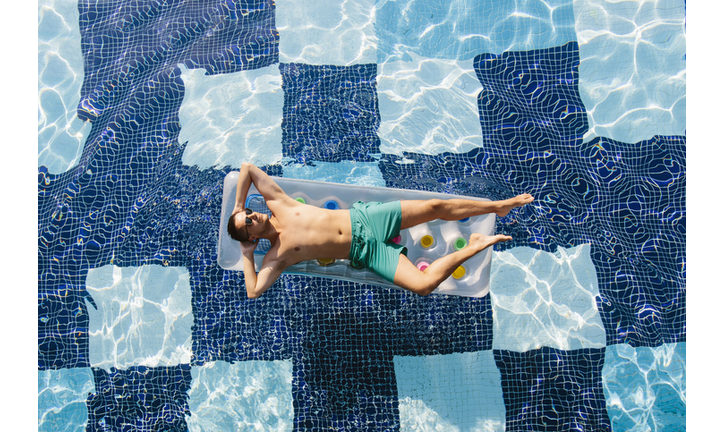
425	243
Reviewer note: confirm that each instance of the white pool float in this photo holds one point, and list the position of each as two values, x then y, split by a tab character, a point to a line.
425	243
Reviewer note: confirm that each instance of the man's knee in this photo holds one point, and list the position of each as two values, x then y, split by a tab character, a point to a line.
421	284
425	291
436	206
425	286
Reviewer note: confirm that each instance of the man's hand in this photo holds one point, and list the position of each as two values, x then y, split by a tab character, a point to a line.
267	187
248	248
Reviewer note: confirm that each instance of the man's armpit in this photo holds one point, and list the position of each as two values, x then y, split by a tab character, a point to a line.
273	266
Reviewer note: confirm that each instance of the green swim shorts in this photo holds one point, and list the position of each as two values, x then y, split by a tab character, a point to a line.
373	226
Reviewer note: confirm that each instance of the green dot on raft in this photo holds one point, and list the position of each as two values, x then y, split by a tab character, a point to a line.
459	243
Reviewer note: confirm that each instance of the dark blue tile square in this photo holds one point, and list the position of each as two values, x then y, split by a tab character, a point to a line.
330	112
140	398
62	321
553	390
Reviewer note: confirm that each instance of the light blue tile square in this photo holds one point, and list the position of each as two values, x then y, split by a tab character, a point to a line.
62	398
633	67
463	29
645	388
453	392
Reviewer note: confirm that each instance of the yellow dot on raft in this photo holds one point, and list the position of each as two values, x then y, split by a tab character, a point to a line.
325	261
459	272
426	241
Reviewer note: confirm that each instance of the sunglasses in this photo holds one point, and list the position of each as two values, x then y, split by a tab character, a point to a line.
247	221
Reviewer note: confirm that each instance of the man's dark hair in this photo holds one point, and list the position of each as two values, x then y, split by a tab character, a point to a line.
238	234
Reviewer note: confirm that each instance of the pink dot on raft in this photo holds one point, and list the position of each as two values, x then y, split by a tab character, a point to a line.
423	265
397	239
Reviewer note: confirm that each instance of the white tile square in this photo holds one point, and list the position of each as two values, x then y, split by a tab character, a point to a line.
428	106
62	396
545	299
633	67
454	392
61	134
245	396
463	29
328	33
231	118
644	387
344	172
143	319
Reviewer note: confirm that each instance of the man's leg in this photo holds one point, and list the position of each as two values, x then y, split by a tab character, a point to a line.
415	212
424	282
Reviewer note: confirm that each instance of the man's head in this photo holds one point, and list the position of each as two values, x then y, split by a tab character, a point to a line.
238	225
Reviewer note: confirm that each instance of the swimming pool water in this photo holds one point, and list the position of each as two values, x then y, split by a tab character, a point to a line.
145	106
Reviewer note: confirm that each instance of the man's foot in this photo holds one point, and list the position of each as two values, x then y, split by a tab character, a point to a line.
481	242
507	205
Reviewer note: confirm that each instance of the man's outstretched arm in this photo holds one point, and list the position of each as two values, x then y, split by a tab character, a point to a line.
267	187
257	284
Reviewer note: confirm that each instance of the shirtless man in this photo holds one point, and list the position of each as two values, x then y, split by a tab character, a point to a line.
300	232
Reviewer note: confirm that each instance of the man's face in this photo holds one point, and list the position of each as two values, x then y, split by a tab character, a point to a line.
251	221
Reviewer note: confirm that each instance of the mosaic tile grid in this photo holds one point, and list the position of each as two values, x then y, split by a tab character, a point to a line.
344	376
131	202
123	42
87	215
533	122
